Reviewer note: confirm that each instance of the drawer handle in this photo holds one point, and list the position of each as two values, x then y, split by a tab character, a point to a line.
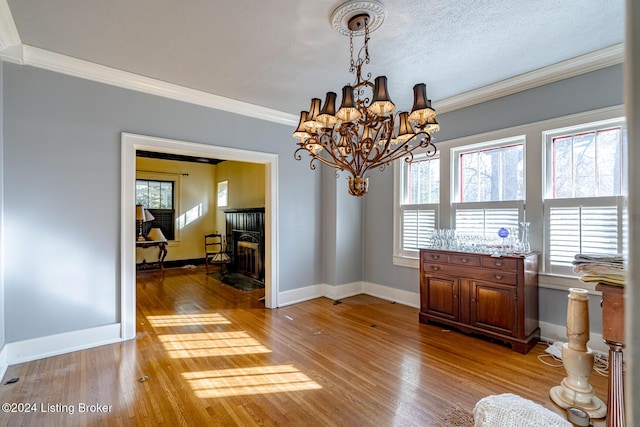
435	256
498	277
498	264
455	296
464	260
435	268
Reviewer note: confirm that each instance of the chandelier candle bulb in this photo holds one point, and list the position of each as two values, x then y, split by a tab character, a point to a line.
381	104
327	114
301	131
348	110
367	135
361	135
422	109
314	110
406	131
432	125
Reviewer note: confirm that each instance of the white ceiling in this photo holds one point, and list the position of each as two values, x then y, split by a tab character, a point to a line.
280	53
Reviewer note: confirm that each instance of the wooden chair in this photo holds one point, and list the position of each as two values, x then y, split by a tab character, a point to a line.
215	251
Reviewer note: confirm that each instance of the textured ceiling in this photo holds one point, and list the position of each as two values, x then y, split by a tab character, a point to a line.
280	53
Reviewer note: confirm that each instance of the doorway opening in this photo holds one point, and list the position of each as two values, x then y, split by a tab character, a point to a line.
132	143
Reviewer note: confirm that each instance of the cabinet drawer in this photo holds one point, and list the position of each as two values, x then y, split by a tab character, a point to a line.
434	256
436	268
500	263
496	276
464	259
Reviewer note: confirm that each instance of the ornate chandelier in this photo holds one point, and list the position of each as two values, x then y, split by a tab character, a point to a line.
365	132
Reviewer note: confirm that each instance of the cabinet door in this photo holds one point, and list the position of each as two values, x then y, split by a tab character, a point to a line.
439	297
494	307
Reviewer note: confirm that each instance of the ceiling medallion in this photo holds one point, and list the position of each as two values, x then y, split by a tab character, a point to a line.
362	134
342	15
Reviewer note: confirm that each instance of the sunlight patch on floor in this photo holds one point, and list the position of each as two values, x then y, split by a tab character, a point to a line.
211	344
188	320
248	381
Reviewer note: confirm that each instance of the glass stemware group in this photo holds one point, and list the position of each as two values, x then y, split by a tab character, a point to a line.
514	240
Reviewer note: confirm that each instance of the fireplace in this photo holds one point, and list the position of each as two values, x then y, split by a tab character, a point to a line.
245	240
249	262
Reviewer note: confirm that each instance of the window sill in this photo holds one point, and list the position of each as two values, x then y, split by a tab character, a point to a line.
564	283
405	261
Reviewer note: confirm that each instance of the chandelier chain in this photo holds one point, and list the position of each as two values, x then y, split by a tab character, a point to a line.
353	63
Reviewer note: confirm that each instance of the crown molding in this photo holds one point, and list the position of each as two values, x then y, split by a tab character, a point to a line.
8	32
59	63
13	54
562	70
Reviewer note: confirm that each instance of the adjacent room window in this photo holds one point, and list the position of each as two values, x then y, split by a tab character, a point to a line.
583	192
223	194
488	186
157	197
419	201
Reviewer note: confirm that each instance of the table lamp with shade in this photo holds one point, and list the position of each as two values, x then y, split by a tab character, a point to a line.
142	216
156	235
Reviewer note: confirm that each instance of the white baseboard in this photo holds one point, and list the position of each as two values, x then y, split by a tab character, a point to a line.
300	295
552	332
316	291
3	361
342	291
411	299
52	345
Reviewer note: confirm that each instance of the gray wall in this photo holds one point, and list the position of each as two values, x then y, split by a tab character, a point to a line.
587	92
342	230
62	172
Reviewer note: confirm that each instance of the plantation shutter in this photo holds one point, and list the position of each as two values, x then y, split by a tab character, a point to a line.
581	229
486	221
417	227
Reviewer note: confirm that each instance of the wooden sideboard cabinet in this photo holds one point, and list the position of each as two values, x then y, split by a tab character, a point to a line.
496	297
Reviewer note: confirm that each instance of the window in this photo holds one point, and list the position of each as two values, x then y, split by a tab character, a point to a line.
157	198
488	186
492	174
583	192
223	194
420	198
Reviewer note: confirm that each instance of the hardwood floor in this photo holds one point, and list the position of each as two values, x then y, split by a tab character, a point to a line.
213	355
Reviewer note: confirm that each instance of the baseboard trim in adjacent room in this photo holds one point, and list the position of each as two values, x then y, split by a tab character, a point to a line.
52	345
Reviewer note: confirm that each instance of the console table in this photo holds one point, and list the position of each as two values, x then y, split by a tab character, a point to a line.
156	262
613	335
